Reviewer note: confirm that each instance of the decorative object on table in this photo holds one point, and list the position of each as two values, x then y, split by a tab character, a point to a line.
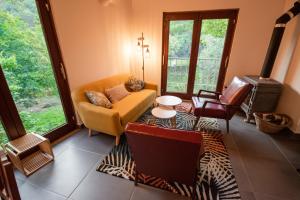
116	93
31	163
158	152
263	97
8	184
222	106
144	48
215	177
98	99
272	122
134	84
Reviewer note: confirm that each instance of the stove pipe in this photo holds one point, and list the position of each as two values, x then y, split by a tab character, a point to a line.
276	39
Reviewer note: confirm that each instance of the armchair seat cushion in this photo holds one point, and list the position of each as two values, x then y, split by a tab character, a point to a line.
211	109
132	106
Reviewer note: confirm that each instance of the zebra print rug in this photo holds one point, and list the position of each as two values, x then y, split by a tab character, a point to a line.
215	178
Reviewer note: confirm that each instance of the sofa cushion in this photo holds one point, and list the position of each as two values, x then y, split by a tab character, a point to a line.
98	99
116	93
133	106
134	84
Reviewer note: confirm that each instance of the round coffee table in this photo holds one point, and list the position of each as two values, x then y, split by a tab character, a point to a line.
163	112
166	108
168	100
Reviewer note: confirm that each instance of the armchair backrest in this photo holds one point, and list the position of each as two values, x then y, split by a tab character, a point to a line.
166	153
236	92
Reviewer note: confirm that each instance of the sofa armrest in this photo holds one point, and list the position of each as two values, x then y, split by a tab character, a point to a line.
100	119
150	86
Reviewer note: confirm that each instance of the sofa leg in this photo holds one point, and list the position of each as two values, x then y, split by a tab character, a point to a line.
117	140
90	132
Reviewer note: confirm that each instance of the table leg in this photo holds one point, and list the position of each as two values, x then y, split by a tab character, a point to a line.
173	122
151	121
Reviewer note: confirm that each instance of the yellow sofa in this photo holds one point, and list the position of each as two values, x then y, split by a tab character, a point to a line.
112	121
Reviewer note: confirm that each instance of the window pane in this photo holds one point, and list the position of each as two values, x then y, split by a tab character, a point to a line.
3	136
212	38
180	42
27	67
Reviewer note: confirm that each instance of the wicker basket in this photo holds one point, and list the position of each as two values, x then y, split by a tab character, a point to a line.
269	127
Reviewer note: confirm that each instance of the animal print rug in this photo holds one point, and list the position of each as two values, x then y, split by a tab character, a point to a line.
215	178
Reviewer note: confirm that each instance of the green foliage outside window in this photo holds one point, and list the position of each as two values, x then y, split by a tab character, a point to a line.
213	33
27	67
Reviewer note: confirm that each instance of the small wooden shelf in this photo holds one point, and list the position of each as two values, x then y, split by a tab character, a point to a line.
34	161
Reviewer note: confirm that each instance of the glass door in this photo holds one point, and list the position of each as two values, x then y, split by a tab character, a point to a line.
196	48
33	69
211	47
180	43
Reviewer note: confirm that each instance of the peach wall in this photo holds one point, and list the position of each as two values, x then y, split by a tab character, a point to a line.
253	31
287	70
94	36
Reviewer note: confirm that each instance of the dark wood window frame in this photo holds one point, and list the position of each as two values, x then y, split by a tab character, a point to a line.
9	113
197	16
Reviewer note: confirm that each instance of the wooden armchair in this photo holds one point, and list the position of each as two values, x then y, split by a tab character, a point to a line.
222	106
171	154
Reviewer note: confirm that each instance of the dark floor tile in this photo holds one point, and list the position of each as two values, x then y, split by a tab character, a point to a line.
60	147
239	171
252	141
32	192
144	192
100	186
64	174
99	143
247	196
270	176
260	196
20	182
229	141
297	166
290	148
19	175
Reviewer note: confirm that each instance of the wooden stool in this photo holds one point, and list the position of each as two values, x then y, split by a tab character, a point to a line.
36	160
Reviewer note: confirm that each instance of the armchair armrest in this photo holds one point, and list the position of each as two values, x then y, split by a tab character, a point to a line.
226	106
217	94
213	102
150	86
100	119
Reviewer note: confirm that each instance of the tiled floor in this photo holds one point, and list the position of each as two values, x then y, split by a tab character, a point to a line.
263	165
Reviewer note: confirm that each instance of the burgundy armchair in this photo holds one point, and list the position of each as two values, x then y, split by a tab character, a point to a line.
222	106
171	154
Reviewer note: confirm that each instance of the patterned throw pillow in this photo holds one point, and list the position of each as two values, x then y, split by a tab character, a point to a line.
134	84
116	93
98	99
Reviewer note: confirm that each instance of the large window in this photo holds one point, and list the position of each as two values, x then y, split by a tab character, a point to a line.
32	68
3	136
196	47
